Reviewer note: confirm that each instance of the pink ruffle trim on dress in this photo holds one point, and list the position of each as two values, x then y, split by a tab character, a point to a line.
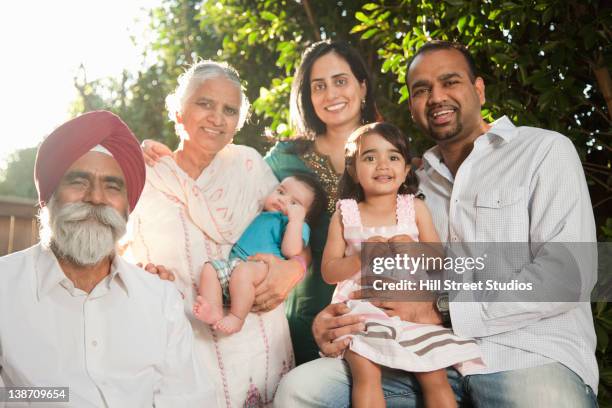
350	213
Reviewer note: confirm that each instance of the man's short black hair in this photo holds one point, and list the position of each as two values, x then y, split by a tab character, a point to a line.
436	45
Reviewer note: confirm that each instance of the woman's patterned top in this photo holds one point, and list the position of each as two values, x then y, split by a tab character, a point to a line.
321	165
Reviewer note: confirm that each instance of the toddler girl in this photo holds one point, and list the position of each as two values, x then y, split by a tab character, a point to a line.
376	207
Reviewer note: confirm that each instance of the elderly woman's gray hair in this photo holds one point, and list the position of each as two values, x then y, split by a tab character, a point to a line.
195	76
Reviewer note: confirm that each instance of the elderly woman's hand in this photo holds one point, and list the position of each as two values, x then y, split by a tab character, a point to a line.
153	150
160	270
333	322
281	278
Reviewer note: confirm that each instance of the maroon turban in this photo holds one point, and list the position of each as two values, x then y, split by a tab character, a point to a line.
78	136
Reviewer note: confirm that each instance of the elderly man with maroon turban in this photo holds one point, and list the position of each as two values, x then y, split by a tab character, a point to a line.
75	314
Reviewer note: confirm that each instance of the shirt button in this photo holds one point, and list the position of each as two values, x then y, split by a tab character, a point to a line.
94	343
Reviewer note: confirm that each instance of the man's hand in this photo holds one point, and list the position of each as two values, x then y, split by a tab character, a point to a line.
380	249
415	312
331	323
377	239
405	238
411	305
281	278
160	270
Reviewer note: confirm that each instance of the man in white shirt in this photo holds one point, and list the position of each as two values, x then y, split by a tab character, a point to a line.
72	312
488	183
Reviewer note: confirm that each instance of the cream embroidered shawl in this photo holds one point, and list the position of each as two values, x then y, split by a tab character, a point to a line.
181	223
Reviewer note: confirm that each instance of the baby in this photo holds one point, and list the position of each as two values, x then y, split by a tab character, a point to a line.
281	230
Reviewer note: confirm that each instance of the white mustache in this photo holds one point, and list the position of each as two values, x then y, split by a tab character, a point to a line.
105	215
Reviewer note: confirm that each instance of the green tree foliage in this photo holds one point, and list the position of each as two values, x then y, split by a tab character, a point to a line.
545	63
17	179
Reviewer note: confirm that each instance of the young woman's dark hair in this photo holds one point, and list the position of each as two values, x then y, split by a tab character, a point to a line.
319	203
303	116
349	187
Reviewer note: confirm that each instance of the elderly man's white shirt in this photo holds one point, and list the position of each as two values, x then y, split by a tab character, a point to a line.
126	344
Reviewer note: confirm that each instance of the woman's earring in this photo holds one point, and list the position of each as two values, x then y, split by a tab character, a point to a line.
363	104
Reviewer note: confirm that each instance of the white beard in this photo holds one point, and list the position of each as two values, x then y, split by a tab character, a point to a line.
82	233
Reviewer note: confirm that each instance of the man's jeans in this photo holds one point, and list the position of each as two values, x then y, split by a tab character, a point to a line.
326	383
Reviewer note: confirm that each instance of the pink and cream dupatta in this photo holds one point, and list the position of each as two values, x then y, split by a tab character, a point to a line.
182	223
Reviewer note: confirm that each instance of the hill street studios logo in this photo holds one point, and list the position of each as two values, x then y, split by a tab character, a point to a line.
484	272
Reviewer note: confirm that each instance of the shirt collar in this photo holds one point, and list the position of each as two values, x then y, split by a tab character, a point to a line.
502	128
49	274
121	273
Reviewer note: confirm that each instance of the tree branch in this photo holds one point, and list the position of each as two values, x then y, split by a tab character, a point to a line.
81	76
600	202
311	19
598	166
598	181
604	82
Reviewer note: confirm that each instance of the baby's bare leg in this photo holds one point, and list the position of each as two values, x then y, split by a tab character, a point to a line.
244	278
437	391
209	305
367	382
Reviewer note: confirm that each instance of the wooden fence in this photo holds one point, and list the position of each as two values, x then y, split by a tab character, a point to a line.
18	224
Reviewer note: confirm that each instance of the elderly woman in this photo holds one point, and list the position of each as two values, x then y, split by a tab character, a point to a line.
195	205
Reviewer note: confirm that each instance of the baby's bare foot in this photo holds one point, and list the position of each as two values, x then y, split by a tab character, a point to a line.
229	324
207	312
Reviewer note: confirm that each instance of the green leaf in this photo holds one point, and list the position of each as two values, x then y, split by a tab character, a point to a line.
602	338
383	16
600	307
362	17
266	15
403	94
515	104
369	33
370	6
358	28
461	23
494	13
501	59
386	66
